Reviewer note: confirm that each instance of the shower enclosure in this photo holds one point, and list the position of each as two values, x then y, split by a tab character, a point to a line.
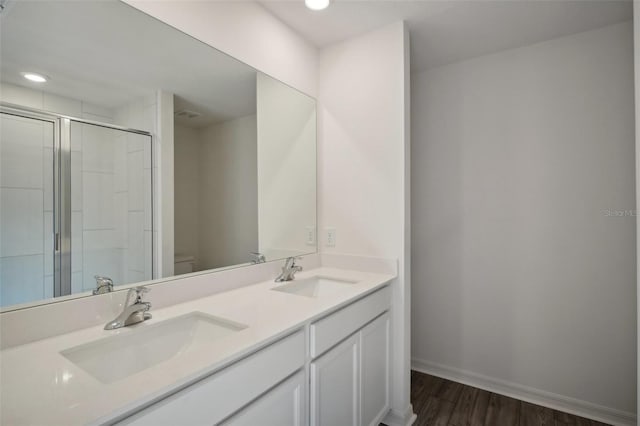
75	203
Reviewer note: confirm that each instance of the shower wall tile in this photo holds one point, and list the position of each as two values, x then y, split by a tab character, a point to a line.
134	276
21	221
135	244
48	243
76	133
135	180
120	163
104	262
97	149
148	255
100	257
134	142
156	255
47	179
98	240
22	279
19	95
61	105
76	283
21	151
89	109
77	244
98	201
48	287
121	220
148	155
140	165
148	216
76	181
98	118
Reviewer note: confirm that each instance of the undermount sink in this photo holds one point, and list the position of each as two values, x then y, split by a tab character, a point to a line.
315	286
116	357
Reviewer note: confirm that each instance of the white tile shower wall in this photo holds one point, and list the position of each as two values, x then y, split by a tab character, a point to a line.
26	241
36	167
135	217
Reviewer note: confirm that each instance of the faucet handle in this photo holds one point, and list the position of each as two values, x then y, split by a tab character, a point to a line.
138	291
103	285
257	257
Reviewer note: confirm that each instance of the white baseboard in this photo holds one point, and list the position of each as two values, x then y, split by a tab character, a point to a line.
528	394
394	418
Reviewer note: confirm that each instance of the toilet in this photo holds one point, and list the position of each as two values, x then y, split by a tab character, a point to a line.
183	264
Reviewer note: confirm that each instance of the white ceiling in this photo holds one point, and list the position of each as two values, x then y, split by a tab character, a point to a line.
449	31
112	68
110	54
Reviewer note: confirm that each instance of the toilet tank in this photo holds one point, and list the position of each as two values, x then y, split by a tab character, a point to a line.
183	264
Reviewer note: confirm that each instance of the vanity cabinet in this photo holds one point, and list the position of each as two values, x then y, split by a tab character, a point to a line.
347	355
350	380
236	388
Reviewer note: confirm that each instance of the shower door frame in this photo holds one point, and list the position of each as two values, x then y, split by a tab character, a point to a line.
62	187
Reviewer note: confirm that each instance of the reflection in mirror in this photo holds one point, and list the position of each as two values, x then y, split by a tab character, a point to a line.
145	154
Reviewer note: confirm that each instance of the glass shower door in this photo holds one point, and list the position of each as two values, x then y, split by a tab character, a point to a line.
75	202
111	205
27	146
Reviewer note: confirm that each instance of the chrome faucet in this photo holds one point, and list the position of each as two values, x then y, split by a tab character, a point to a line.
133	313
289	270
103	285
257	257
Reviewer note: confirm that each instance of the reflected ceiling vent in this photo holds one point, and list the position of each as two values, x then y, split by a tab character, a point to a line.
185	113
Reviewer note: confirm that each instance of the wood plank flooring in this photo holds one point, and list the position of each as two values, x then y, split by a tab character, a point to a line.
440	402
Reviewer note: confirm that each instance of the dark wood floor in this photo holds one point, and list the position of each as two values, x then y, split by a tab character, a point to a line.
442	402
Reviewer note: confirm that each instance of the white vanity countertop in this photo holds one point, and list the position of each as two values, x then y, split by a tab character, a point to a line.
40	386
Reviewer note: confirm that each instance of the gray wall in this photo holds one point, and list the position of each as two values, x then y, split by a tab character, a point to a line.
519	276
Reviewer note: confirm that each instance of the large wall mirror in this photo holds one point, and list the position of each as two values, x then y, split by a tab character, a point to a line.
140	153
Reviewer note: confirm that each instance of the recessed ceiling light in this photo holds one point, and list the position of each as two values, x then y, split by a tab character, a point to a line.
317	4
37	78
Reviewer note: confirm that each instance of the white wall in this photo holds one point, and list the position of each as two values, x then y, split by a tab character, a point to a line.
286	179
519	276
187	190
245	31
229	193
362	168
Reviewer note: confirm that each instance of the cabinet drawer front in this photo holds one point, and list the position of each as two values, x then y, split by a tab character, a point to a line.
281	406
214	398
332	329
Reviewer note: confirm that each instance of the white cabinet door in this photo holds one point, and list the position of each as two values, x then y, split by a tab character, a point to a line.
374	365
281	406
334	386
